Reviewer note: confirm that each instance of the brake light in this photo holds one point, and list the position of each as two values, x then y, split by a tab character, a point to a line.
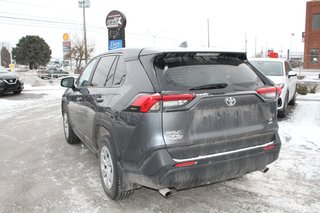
146	103
269	147
188	163
269	92
279	87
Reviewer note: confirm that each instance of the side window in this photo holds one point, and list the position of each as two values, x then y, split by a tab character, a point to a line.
314	56
84	77
110	77
102	70
120	73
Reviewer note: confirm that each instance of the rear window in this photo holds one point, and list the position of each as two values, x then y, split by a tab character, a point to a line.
269	68
205	71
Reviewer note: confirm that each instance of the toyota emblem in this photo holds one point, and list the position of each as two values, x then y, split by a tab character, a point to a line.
230	101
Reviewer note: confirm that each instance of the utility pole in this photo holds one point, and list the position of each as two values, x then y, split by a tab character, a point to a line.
0	54
84	4
245	42
255	46
208	27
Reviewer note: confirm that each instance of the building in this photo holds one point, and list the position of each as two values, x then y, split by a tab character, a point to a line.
312	36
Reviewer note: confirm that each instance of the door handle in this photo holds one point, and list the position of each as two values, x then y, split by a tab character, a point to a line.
99	100
79	99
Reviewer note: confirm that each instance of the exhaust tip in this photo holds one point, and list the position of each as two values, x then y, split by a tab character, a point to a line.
265	170
166	193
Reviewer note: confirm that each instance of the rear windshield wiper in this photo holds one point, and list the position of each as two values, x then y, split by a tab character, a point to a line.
211	86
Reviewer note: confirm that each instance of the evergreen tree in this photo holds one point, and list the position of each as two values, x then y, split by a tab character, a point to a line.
32	51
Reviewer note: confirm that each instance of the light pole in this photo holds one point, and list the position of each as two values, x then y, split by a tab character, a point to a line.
208	28
84	4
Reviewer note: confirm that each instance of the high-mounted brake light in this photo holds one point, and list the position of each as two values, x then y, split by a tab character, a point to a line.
269	92
146	103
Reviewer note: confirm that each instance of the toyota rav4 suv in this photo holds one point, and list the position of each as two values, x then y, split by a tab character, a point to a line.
172	119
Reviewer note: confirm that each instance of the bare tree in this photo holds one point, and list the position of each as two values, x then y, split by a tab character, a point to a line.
77	52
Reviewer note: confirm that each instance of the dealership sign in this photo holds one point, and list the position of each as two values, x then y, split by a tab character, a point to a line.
115	20
115	44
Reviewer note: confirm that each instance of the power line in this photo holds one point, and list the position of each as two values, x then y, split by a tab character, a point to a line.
38	20
39	25
36	5
60	24
44	19
38	17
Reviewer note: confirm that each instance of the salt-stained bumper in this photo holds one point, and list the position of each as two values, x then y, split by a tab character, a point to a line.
160	170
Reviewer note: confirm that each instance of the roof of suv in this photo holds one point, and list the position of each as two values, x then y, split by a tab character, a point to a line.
135	52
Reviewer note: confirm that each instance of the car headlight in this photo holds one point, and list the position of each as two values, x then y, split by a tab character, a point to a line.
1	81
20	79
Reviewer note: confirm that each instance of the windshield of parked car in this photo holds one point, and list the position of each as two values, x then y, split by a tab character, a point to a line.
3	70
218	72
269	68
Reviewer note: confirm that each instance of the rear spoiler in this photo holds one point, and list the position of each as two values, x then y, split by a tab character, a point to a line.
184	58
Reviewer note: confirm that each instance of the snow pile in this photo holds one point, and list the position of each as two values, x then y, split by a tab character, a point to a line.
309	97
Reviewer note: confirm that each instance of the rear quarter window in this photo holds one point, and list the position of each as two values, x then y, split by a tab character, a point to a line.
182	72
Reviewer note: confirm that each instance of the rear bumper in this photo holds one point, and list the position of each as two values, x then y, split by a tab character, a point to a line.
159	170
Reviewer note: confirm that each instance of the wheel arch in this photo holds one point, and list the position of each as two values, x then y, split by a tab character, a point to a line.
103	130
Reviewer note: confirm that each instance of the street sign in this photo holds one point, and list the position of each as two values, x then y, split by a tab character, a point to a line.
66	50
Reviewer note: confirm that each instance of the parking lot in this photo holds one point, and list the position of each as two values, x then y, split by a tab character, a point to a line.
40	172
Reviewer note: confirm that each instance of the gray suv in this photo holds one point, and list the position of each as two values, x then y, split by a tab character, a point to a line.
169	119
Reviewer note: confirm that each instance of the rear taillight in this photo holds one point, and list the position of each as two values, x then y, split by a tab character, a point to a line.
279	87
146	103
269	92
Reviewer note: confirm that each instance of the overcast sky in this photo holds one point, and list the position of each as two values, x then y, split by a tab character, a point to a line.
165	23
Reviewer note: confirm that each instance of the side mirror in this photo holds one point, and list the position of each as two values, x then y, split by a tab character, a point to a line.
292	74
67	82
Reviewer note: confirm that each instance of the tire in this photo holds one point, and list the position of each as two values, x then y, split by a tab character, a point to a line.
109	172
283	113
293	100
69	134
17	92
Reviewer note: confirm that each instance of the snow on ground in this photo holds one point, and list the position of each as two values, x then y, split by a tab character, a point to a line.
292	185
29	98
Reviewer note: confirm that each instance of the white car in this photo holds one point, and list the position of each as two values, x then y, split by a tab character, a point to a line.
280	72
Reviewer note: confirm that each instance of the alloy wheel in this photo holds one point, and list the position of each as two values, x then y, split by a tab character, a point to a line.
106	167
66	125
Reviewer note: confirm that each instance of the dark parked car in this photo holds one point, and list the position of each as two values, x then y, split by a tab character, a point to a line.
52	72
172	119
10	82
